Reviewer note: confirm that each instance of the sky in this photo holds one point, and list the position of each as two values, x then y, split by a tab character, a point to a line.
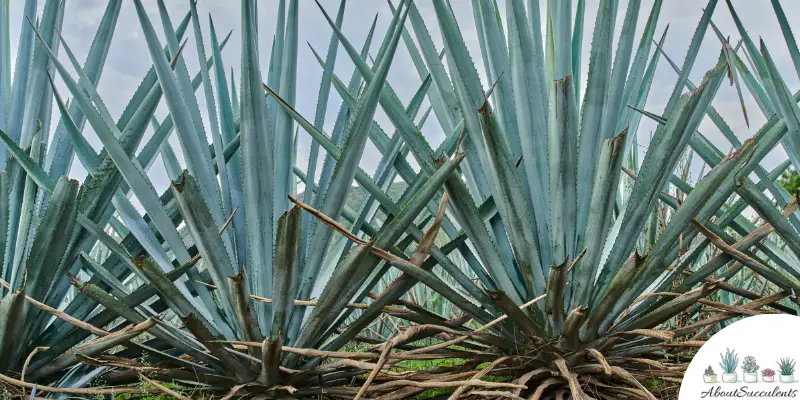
129	60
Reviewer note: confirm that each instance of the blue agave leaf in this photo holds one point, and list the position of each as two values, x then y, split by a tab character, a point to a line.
228	112
319	121
346	167
284	125
60	153
257	168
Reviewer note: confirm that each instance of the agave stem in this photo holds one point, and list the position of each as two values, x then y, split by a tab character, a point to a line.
239	296
615	289
271	361
572	325
554	303
522	320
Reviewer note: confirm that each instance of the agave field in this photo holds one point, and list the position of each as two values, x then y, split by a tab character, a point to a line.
534	253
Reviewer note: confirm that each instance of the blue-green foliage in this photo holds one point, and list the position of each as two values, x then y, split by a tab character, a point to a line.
530	174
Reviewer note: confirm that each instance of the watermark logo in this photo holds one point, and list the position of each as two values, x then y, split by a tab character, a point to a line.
753	358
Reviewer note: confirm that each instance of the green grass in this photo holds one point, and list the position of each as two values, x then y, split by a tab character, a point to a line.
425	365
653	383
433	393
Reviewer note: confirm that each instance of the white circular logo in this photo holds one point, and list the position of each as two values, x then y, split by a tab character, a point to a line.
755	358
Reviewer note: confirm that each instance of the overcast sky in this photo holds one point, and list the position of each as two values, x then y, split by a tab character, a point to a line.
129	59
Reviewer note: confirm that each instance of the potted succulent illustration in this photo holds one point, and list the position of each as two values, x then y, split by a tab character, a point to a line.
768	375
786	366
750	368
729	362
709	376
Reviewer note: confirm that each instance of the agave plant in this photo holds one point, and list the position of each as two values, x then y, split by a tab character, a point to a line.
152	248
53	223
588	301
560	274
786	366
582	257
729	361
